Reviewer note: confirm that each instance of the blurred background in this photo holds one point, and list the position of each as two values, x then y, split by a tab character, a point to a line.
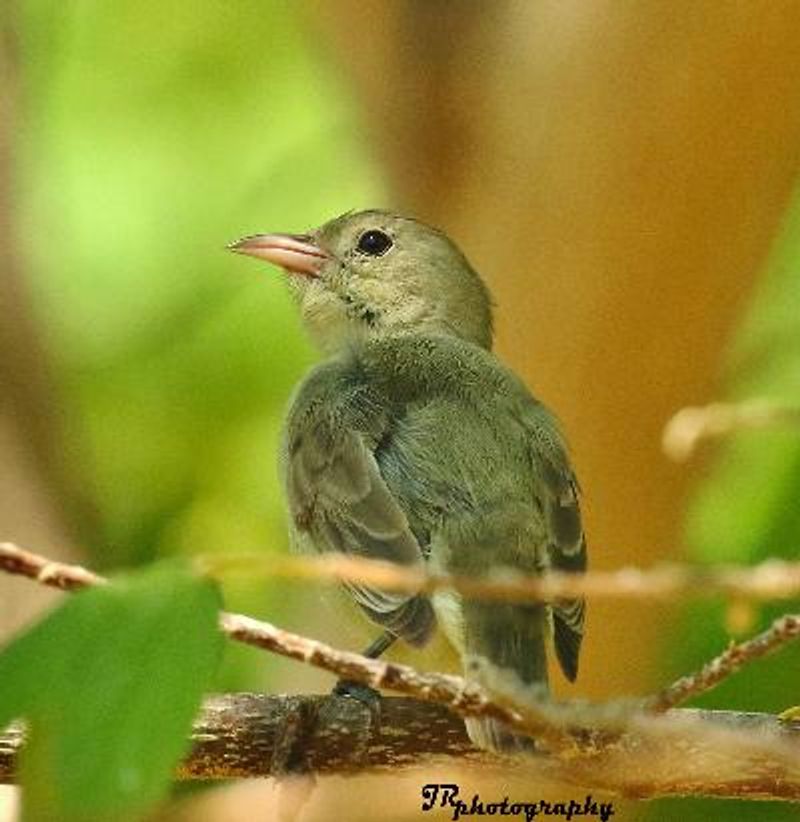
622	175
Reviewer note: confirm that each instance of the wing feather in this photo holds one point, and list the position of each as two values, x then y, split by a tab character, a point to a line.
567	544
336	491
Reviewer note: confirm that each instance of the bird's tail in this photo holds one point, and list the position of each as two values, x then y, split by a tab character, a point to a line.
504	645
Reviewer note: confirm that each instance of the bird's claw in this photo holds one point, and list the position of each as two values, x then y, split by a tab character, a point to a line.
367	696
356	690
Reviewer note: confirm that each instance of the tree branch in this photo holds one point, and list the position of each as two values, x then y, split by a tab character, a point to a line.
732	659
17	561
686	752
465	698
690	426
544	720
713	753
772	579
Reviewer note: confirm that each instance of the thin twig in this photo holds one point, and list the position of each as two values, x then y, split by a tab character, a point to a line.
690	426
772	579
465	698
731	660
462	697
454	691
16	560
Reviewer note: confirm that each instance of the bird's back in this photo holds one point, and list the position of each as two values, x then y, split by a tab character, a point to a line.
462	446
456	454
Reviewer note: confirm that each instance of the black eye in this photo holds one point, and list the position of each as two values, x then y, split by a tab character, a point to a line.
374	243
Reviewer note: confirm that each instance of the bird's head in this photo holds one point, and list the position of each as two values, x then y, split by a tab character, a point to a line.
373	273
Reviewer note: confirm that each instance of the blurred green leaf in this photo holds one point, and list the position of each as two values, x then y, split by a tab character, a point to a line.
109	683
746	510
152	134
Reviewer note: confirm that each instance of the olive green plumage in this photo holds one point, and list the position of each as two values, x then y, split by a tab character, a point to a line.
412	443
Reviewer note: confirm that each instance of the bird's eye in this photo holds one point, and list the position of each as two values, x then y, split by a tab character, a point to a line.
374	243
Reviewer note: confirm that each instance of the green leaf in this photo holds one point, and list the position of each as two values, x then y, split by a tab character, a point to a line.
746	510
110	683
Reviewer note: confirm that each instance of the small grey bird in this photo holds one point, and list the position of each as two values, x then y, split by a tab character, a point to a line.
412	443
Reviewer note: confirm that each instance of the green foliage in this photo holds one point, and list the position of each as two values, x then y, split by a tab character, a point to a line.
109	684
746	509
153	134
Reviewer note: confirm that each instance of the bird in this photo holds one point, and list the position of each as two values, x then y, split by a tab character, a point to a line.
412	443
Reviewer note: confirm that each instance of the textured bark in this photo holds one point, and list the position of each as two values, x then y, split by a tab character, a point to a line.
275	735
690	752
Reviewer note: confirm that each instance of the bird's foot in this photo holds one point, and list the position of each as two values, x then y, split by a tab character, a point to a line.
367	696
356	690
363	693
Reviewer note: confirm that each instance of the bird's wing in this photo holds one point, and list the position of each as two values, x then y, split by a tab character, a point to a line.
567	544
336	493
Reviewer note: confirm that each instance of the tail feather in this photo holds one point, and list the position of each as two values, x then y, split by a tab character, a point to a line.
568	635
504	642
493	735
